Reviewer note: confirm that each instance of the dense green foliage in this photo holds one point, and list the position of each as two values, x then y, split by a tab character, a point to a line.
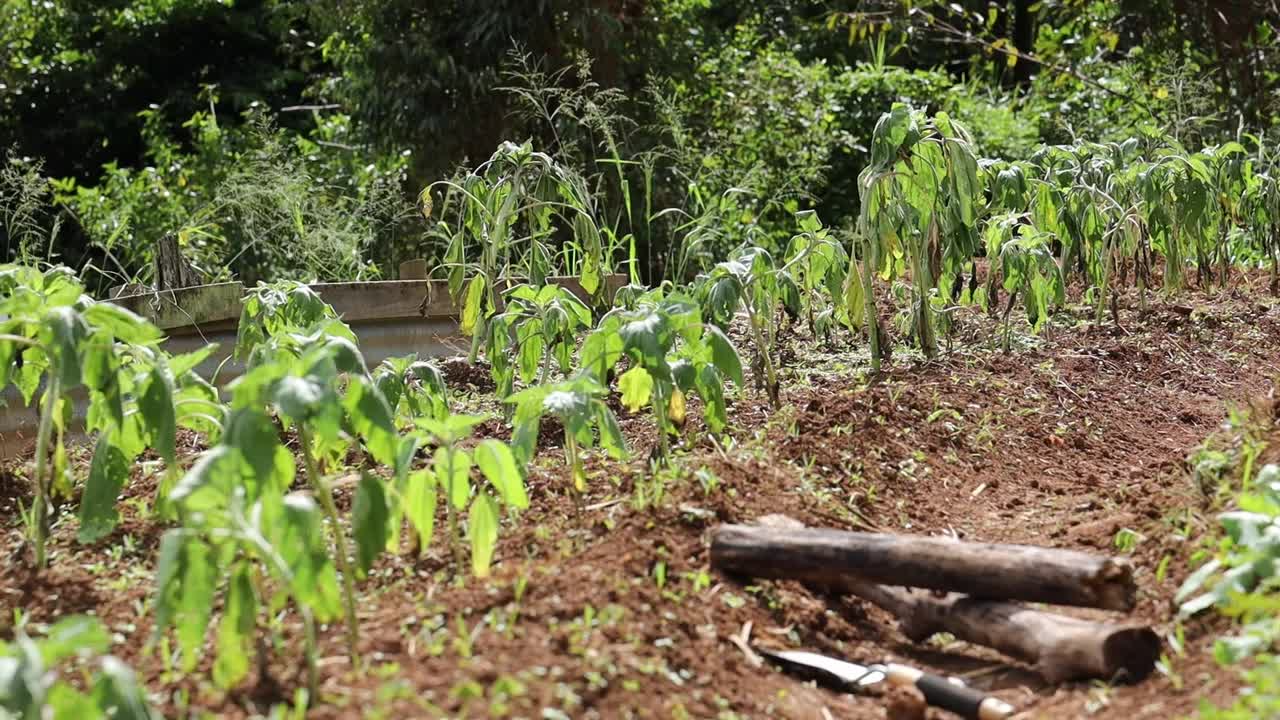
288	140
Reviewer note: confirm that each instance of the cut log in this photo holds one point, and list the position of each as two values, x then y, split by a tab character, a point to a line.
1004	572
1058	647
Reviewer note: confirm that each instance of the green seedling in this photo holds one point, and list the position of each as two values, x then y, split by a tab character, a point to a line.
32	685
54	336
539	328
450	473
579	405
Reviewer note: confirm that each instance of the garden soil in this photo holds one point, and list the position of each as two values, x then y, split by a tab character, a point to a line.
606	607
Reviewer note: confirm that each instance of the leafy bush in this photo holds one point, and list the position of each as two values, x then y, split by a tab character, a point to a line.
251	202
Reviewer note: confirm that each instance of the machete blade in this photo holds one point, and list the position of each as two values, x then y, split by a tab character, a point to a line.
839	672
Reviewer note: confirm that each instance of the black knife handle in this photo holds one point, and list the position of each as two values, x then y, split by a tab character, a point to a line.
940	692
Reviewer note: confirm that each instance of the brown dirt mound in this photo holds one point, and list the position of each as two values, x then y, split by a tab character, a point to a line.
605	606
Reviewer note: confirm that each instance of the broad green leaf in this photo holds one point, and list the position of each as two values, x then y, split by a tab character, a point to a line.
64	332
195	602
611	437
206	485
34	363
1196	580
123	324
156	406
372	418
182	364
72	635
808	220
7	352
297	397
471	306
453	470
370	517
482	528
168	566
524	436
723	355
63	702
256	437
420	505
711	390
530	343
648	337
302	539
636	385
118	692
107	473
236	631
346	355
854	297
98	365
966	190
601	350
499	465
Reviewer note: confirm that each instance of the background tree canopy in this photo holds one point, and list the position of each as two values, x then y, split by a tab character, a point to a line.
289	139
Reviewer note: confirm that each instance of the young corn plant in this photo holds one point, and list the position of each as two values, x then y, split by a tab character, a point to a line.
1262	206
922	196
497	223
450	472
578	403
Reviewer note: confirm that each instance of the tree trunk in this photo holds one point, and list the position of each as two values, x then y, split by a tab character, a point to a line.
1024	39
1011	572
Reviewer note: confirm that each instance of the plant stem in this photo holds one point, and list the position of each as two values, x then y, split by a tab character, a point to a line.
455	531
660	412
575	462
325	495
40	533
869	308
757	336
313	660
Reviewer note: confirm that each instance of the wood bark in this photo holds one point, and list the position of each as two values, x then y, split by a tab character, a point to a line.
1059	648
172	270
1005	572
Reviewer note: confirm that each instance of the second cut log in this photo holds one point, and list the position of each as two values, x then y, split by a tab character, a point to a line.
980	570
